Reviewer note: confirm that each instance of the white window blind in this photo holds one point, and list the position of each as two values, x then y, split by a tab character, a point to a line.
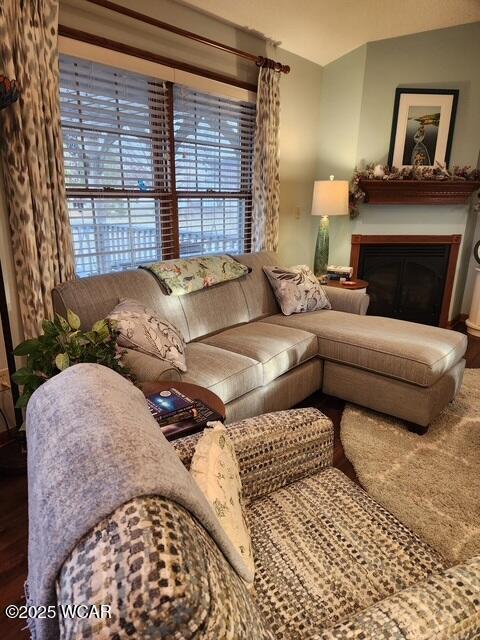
131	199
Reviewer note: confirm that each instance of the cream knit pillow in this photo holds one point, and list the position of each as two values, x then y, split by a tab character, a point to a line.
214	467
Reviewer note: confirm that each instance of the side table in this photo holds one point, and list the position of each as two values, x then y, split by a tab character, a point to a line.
355	285
193	391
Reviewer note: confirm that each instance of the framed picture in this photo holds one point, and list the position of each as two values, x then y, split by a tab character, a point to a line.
422	127
476	252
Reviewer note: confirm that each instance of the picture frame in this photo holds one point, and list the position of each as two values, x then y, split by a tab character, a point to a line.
476	252
422	127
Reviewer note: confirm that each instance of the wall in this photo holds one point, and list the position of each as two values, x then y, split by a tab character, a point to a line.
299	139
446	58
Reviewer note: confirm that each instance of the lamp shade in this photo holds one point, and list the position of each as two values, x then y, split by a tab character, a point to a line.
330	198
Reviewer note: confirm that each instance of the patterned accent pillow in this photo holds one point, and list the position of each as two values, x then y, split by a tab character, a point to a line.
182	276
141	330
297	289
215	469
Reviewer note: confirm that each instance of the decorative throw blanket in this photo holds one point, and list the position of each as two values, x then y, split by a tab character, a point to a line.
179	277
92	446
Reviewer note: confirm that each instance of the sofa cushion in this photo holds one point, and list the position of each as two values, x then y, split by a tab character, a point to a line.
324	550
256	288
213	309
408	351
229	375
277	348
94	297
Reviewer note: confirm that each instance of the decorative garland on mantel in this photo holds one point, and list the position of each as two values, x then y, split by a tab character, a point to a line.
382	172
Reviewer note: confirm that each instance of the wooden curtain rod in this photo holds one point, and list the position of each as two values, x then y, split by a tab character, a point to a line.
99	41
260	61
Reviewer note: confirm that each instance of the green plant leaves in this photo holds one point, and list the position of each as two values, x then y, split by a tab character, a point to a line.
49	328
62	345
101	328
73	319
27	347
23	376
62	361
61	323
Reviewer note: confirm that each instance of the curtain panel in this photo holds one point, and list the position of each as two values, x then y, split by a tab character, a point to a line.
266	179
32	152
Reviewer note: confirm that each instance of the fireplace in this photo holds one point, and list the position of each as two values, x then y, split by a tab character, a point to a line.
410	277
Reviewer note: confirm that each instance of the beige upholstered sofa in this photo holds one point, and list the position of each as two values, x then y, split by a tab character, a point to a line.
257	360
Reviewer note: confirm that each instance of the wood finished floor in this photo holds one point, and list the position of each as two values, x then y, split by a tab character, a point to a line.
14	513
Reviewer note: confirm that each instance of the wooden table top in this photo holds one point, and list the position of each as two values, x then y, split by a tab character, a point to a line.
193	391
355	284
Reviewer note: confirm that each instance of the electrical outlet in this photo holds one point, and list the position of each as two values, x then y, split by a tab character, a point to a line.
297	213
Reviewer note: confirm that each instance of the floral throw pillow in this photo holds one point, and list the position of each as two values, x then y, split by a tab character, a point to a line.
181	276
141	330
297	289
214	467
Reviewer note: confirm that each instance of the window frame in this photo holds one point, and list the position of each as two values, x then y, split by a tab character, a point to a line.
172	250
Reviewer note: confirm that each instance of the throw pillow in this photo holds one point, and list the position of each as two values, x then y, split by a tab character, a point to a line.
141	330
214	467
297	289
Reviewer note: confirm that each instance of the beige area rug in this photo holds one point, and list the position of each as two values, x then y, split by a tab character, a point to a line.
431	483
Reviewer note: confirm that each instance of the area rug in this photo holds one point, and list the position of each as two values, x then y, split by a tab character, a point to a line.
431	483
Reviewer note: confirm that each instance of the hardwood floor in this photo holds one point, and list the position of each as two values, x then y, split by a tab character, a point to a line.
13	552
14	513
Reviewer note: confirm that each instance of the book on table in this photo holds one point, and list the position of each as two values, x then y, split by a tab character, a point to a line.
177	414
170	406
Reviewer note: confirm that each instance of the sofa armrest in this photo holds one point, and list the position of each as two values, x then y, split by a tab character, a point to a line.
146	368
162	576
444	606
348	301
274	449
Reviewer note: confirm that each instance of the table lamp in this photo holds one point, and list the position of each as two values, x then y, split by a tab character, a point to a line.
330	198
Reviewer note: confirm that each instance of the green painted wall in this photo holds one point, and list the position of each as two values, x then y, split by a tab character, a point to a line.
446	58
299	139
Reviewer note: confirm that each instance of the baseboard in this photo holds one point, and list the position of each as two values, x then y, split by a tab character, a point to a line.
457	323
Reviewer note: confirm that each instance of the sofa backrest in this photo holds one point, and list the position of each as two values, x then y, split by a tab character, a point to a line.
196	314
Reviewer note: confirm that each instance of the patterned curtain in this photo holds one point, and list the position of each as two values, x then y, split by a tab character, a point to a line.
33	157
266	180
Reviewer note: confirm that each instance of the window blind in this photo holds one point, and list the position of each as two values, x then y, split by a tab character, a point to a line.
152	171
214	140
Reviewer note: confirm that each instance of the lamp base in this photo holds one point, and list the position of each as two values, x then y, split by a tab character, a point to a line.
321	248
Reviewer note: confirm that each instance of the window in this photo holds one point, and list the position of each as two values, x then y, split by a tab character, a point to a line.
213	171
152	171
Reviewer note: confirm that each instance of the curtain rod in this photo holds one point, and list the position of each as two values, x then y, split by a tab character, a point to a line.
113	45
260	61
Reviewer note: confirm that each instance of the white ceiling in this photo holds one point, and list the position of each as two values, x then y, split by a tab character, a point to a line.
324	30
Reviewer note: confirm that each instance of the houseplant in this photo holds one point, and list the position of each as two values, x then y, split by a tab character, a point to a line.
63	344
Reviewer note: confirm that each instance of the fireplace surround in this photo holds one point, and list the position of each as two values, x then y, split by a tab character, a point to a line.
410	276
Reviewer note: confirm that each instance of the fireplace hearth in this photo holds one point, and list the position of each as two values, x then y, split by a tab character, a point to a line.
410	277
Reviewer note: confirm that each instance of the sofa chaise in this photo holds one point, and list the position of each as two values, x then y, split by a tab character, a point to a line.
257	360
330	563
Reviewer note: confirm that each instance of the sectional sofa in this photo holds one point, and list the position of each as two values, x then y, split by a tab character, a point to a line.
257	360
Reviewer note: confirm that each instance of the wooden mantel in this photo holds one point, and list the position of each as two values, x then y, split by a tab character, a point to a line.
453	240
418	191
